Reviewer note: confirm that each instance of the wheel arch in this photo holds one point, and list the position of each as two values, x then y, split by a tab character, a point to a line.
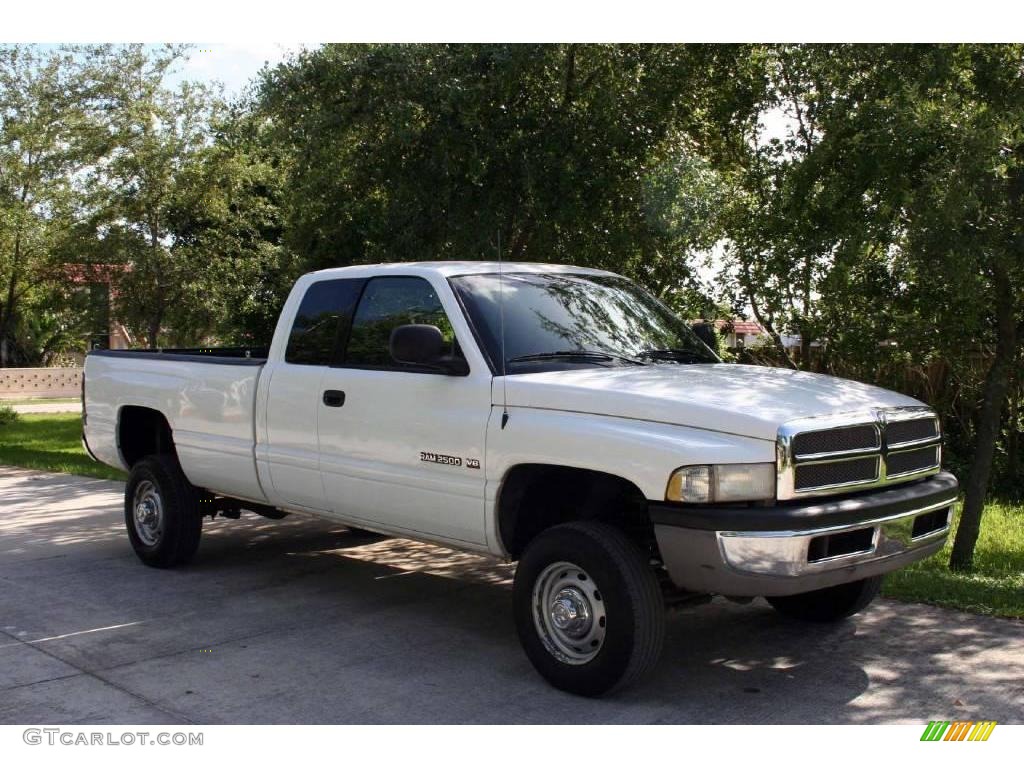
142	431
533	497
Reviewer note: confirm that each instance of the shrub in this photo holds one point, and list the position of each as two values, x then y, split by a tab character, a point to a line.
7	414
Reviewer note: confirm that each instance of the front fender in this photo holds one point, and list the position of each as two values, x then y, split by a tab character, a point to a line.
643	452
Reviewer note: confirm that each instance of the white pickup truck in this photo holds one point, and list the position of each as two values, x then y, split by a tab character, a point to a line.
557	416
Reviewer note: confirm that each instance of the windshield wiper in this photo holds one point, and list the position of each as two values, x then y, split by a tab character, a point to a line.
581	354
675	355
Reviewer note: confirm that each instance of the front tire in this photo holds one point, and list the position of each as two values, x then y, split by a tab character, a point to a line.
829	604
161	512
588	608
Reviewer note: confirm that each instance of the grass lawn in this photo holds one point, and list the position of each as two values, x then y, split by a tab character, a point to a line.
996	587
52	442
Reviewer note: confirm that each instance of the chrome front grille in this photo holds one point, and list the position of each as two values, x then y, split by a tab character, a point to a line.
904	462
861	436
832	454
912	431
829	473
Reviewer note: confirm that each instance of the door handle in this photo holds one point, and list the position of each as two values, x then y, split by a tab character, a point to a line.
334	398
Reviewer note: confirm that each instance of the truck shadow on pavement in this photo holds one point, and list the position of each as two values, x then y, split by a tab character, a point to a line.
302	621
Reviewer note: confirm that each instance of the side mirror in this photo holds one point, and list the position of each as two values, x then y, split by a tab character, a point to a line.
422	345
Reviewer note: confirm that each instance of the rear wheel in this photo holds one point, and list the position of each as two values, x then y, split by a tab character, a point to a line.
588	608
161	512
831	603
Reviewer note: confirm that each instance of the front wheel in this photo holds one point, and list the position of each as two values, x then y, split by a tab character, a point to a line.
588	608
831	603
161	512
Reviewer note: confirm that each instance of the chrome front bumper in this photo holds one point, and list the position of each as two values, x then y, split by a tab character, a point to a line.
790	549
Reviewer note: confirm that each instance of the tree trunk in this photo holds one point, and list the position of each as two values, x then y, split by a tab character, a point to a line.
153	332
805	350
775	337
7	315
155	319
805	335
570	76
1013	443
997	382
767	325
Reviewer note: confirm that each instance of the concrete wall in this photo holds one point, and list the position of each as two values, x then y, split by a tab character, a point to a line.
40	382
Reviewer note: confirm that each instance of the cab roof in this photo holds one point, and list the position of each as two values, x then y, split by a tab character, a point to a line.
454	268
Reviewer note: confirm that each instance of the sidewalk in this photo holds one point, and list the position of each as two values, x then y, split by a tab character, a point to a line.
45	406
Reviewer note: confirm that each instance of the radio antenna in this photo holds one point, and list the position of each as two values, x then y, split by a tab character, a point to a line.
501	333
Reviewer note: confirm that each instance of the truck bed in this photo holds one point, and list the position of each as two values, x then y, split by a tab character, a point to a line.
207	395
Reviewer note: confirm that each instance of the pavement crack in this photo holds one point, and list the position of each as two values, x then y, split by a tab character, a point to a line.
101	679
8	688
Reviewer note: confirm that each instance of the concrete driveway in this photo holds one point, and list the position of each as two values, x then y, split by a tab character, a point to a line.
300	621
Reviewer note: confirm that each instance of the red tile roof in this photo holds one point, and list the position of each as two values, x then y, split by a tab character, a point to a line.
740	327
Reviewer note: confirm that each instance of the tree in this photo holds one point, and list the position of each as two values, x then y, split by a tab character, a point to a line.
782	238
922	160
237	231
41	116
156	141
432	151
886	221
966	223
682	199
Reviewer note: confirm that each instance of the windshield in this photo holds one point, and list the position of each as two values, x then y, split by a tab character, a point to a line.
555	321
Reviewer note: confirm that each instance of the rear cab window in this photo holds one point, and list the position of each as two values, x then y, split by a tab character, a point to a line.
322	322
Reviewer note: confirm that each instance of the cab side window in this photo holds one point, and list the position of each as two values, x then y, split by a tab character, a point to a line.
387	303
322	320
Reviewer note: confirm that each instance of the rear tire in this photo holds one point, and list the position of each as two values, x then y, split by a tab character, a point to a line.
588	608
829	604
161	512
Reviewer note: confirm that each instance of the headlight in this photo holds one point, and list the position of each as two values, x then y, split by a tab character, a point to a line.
707	483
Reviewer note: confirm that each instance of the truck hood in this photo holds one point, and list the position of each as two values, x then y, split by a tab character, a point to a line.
745	400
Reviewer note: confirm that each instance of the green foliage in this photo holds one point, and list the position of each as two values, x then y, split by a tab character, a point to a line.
153	175
237	233
43	105
569	153
169	194
922	158
7	415
880	216
203	213
682	199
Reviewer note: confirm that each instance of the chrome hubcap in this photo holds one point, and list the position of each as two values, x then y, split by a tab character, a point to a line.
149	513
568	612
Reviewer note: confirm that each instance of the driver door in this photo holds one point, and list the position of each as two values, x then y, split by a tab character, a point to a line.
403	448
